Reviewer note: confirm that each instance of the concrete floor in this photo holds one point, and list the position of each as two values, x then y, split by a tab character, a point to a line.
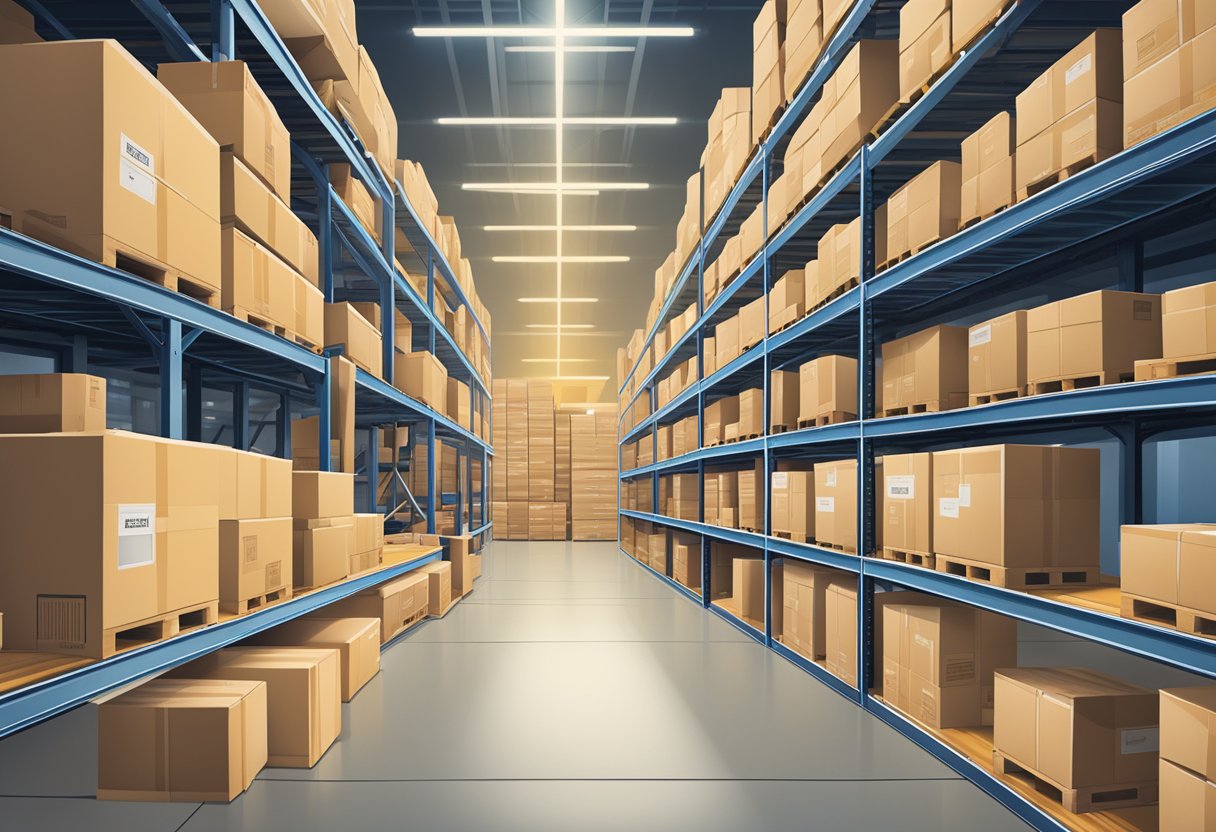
571	690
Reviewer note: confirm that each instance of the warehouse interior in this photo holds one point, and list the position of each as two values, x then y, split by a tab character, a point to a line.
599	414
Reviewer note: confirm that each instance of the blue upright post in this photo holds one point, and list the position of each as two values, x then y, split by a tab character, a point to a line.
431	497
388	325
373	470
865	451
325	237
171	425
194	404
323	407
388	222
430	296
282	424
240	416
764	493
223	31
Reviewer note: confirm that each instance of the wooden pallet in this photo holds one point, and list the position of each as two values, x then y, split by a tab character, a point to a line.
848	550
1065	383
1087	799
742	438
997	396
158	628
264	323
936	406
909	557
781	428
1059	176
1149	611
117	256
836	417
790	536
257	602
965	224
1018	577
1157	368
899	258
407	625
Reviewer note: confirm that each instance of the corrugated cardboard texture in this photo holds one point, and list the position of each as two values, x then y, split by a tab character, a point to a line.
52	403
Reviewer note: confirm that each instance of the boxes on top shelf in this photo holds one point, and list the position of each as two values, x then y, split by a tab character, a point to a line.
330	51
970	17
802	44
768	94
924	44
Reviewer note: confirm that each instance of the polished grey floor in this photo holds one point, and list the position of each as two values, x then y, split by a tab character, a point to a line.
571	690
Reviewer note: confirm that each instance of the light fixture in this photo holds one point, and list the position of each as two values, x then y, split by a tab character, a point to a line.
553	187
569	49
565	258
552	32
564	228
559	300
548	121
563	326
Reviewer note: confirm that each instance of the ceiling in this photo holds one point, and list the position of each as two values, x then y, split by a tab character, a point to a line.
427	78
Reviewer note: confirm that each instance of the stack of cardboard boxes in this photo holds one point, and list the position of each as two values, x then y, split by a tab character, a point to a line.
1165	575
925	371
768	93
593	475
1187	768
323	513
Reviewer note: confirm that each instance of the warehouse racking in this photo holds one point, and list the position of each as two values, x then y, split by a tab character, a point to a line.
1116	212
75	311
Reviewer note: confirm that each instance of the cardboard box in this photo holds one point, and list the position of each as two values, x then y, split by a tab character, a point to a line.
767	92
322	494
1019	506
751	413
787	300
367	544
1188	728
321	555
359	340
924	44
836	504
1076	727
751	324
987	169
839	263
840	628
686	559
16	24
1171	76
397	604
1188	321
439	586
248	203
827	389
303	696
803	41
970	17
460	550
230	105
52	403
747	587
865	86
716	417
996	351
1187	801
420	375
253	485
334	52
295	18
907	487
939	658
254	567
357	641
182	740
356	195
784	399
925	210
257	286
804	608
133	185
793	504
926	368
1171	564
1092	338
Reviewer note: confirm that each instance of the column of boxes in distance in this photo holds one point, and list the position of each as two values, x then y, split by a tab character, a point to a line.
1023	517
559	480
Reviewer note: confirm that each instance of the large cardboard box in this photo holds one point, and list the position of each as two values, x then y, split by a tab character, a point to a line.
322	494
1095	338
925	210
228	102
133	184
865	86
840	628
357	641
747	587
970	17
751	323
1188	321
257	286
254	567
397	604
803	41
768	95
787	300
249	203
360	341
836	504
793	504
1076	727
717	416
321	553
253	485
182	740
827	389
907	486
686	559
924	44
784	400
303	696
420	375
939	658
1188	728
439	586
1173	564
987	169
804	607
996	351
16	24
925	370
52	403
333	52
750	482
1018	506
1187	801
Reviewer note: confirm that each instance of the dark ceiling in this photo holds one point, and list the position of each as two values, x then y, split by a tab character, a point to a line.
681	77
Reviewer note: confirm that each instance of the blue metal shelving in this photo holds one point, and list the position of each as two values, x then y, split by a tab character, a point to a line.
1113	205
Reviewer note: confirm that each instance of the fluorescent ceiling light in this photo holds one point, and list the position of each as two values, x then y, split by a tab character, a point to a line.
564	228
628	31
549	121
552	187
560	326
547	164
565	258
569	49
549	31
559	300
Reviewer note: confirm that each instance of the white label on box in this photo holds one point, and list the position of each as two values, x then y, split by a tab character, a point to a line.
980	335
137	181
901	488
781	479
830	479
948	507
1078	69
964	495
136	535
136	154
825	504
1139	740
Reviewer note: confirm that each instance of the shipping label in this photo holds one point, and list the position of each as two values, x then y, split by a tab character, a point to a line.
136	535
979	335
964	495
825	504
948	507
1139	740
1078	69
901	487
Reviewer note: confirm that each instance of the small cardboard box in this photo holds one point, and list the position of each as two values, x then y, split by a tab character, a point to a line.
907	488
322	494
254	566
439	586
784	400
182	740
926	368
925	210
1188	321
321	555
836	503
1100	334
420	375
804	607
303	696
924	44
1188	728
460	550
1076	727
357	641
996	350
987	169
827	385
52	403
1171	564
787	300
747	587
360	341
840	628
396	604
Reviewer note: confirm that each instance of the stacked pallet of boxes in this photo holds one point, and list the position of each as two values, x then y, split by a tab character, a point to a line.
543	510
525	503
593	477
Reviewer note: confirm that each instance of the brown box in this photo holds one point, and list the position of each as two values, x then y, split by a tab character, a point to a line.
420	375
970	17
357	641
254	567
803	41
182	740
839	261
908	502
987	169
1187	801
231	106
322	494
52	403
1020	506
747	587
840	629
827	387
996	350
459	554
133	183
360	341
926	368
321	554
334	51
717	416
1180	85
1174	565
938	661
793	504
257	286
925	210
751	413
1099	335
1188	728
439	586
253	485
784	400
751	323
248	203
16	24
1075	727
924	44
1188	321
836	504
686	559
303	696
864	87
355	194
804	608
787	300
397	604
367	542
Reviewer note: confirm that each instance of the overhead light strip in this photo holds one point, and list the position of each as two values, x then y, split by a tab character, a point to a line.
565	258
559	300
564	228
546	121
569	49
553	32
553	187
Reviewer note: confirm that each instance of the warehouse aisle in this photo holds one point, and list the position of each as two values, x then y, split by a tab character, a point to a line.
571	690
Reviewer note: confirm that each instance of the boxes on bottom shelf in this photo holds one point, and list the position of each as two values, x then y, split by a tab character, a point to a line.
804	611
396	604
686	559
460	555
840	628
182	740
747	587
357	641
